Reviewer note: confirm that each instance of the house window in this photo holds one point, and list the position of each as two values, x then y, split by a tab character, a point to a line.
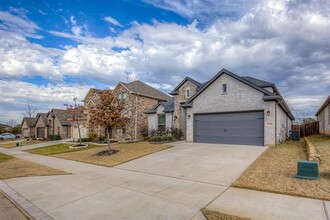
161	121
224	88
121	97
187	94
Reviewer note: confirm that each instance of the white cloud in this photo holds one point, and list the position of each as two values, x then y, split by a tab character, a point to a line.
18	24
16	93
280	41
113	21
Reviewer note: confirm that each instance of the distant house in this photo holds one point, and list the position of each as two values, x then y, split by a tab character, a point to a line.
6	127
137	96
28	127
323	116
41	126
58	123
228	109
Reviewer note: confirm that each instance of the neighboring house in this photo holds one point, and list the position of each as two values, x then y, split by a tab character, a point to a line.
7	128
28	127
228	109
41	126
323	116
137	97
58	123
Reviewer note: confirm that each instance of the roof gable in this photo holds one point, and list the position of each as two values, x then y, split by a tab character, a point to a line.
62	115
92	90
143	89
175	90
30	122
224	71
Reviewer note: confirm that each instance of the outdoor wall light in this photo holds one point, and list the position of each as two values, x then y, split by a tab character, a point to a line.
268	112
175	117
188	116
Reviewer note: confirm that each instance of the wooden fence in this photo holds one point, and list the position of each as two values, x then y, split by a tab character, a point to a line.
307	129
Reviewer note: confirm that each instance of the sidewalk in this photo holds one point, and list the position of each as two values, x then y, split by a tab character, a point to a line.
9	211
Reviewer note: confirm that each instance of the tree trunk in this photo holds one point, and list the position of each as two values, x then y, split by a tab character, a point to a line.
79	133
108	139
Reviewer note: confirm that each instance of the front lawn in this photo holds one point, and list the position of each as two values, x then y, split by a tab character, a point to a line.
23	143
127	152
58	149
11	167
275	169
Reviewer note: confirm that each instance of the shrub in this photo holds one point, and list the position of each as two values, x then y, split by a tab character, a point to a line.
55	137
92	136
85	140
177	133
144	132
160	138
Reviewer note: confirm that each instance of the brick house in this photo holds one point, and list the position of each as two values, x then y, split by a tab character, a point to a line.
228	109
41	126
58	123
138	97
28	126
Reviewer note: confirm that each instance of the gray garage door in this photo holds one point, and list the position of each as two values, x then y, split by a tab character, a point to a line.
230	128
40	132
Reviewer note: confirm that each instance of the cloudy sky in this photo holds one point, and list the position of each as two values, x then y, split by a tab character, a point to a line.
52	51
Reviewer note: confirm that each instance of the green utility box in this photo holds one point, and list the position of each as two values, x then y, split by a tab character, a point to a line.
18	144
308	170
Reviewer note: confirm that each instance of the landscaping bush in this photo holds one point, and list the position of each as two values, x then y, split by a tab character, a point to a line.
55	137
85	139
144	132
177	133
92	136
160	138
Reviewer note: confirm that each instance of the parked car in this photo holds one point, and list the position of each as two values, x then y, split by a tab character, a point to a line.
6	136
19	136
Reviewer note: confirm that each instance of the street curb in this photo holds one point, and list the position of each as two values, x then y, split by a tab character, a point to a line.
24	205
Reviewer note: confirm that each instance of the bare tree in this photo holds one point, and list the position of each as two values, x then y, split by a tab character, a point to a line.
76	112
107	114
300	115
30	110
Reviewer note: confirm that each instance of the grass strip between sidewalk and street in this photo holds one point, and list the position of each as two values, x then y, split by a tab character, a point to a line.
127	152
275	170
11	167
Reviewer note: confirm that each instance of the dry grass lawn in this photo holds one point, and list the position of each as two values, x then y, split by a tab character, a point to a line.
11	167
213	215
126	153
23	143
275	170
59	149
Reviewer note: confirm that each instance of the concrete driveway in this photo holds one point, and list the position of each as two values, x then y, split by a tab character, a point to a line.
208	163
171	184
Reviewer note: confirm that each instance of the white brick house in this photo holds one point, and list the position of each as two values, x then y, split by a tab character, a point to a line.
228	109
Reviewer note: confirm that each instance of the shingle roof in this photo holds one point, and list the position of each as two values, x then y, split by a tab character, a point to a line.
30	122
43	117
198	84
141	88
168	106
62	115
258	82
327	102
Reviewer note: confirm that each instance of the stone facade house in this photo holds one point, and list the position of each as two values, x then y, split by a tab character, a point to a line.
228	109
323	116
28	126
41	126
59	123
137	97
